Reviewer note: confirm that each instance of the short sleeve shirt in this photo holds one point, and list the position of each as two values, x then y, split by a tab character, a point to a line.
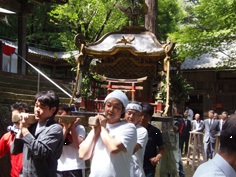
115	165
154	140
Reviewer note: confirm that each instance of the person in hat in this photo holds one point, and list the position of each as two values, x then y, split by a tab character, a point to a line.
133	115
76	106
7	139
110	144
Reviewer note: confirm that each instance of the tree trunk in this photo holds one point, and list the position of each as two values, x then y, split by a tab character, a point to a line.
151	16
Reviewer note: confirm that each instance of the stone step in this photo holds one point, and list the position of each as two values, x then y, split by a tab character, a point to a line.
15	87
31	81
12	97
30	89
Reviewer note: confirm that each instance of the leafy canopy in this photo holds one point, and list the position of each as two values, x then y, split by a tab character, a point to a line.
93	17
209	27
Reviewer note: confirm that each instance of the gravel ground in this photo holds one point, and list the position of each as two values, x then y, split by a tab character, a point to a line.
188	168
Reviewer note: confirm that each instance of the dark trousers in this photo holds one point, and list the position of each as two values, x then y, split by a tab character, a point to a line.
72	173
150	172
183	143
209	150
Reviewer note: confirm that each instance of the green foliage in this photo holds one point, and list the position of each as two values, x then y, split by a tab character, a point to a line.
47	41
9	30
94	18
207	26
179	89
85	89
42	32
169	14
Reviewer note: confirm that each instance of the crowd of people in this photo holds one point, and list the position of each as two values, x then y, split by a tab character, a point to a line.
124	143
222	162
211	126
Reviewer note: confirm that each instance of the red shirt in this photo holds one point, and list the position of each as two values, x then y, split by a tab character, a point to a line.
16	160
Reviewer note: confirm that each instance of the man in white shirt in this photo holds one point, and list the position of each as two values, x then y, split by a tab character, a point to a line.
189	113
69	163
133	115
110	144
223	118
196	124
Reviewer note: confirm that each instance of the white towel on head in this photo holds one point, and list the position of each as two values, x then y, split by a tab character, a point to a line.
134	106
118	94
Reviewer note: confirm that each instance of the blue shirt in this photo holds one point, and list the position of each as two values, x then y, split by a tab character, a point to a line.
217	167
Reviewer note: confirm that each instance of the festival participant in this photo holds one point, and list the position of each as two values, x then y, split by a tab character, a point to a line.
76	106
155	147
133	115
7	139
110	144
42	141
69	163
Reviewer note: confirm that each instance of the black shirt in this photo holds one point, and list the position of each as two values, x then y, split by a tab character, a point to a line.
154	141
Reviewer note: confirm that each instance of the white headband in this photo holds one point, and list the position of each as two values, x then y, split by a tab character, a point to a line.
134	106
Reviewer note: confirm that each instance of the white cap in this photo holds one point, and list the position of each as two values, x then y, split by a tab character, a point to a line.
118	94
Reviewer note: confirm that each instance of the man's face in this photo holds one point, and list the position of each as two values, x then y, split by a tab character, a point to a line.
132	116
197	117
113	110
215	116
185	114
77	105
144	119
61	112
223	116
16	113
210	115
43	112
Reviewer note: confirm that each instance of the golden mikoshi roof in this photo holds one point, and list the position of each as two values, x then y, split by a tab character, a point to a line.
137	40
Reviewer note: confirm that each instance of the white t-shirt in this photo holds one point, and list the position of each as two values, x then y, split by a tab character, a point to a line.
106	164
69	159
136	169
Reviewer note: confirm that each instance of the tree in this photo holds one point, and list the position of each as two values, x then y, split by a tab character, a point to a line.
151	17
170	14
41	31
209	27
94	18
